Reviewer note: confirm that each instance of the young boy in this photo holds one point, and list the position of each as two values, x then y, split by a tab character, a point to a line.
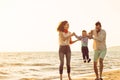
84	45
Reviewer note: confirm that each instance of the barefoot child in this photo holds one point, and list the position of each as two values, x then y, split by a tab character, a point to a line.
84	45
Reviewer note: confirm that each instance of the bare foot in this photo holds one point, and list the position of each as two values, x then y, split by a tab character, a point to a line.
97	79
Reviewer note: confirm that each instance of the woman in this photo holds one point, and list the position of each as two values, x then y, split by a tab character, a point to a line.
64	49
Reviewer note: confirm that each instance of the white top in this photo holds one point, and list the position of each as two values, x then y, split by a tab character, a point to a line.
99	40
64	39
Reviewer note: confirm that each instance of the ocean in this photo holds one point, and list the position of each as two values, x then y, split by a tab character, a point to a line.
44	65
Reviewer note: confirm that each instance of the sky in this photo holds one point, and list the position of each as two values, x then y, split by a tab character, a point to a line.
30	25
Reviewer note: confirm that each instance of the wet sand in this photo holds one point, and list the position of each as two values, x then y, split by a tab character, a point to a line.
109	75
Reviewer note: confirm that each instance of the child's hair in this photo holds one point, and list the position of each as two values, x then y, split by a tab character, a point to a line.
84	31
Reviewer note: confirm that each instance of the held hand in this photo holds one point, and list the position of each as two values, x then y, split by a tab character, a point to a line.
91	37
90	34
91	31
73	34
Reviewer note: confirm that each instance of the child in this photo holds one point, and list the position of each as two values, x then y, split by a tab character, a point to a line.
84	48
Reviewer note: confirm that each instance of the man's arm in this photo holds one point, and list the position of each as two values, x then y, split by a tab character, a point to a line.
101	37
89	36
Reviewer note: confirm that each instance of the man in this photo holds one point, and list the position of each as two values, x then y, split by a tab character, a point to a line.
99	45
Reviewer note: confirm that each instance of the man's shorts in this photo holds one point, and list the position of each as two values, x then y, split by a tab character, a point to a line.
99	54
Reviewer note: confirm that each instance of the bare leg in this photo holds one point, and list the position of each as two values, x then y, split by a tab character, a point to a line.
96	70
69	77
60	76
101	67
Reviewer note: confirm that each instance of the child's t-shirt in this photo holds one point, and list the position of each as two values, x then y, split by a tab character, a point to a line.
84	40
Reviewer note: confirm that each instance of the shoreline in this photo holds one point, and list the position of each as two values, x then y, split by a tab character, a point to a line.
113	74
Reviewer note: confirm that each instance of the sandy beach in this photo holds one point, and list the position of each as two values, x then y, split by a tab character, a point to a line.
109	75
